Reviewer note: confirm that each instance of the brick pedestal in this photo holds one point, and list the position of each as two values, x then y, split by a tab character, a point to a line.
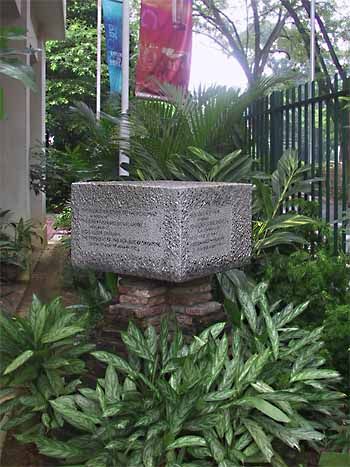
146	302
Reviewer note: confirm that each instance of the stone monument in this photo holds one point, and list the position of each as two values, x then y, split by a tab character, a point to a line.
165	239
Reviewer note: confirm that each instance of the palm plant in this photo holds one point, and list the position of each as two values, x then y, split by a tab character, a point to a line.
199	129
201	166
210	119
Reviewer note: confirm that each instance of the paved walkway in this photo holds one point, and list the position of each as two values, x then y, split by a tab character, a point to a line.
47	278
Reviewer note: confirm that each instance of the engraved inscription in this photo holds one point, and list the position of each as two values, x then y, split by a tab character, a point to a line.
133	232
210	232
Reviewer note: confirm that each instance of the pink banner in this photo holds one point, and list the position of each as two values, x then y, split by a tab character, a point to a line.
165	45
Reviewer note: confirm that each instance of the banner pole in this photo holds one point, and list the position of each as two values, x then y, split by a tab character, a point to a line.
124	130
312	40
98	65
311	69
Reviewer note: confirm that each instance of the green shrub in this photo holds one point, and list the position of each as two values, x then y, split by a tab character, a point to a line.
53	171
337	338
16	241
216	401
63	220
322	279
37	355
96	290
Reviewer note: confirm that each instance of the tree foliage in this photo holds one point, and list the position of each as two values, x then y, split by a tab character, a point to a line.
71	71
276	34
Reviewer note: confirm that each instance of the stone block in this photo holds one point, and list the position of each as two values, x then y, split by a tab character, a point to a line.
172	231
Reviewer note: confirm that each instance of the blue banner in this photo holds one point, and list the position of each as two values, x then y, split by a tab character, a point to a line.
113	21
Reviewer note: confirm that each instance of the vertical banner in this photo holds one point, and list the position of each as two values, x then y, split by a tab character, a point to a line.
113	21
165	45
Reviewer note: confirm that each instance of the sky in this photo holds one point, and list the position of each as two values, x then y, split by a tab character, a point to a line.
210	65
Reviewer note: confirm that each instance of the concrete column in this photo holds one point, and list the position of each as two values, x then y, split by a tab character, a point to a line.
15	138
37	131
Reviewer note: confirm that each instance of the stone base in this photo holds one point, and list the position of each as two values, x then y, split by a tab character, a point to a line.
147	301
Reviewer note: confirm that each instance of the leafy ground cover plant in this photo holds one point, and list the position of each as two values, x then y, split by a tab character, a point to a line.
96	291
38	356
217	401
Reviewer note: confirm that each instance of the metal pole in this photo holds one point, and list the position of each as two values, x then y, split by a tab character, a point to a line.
124	130
98	65
312	69
312	40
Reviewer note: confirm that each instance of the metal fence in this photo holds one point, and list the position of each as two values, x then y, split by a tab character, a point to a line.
314	120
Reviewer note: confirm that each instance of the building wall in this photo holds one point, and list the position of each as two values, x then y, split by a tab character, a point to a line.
23	129
37	131
15	134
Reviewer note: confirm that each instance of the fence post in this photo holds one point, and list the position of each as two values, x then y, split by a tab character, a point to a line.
346	145
345	153
276	128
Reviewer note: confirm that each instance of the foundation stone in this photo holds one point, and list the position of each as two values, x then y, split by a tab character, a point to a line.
170	231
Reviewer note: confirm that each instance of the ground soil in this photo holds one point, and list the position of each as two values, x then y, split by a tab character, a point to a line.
19	455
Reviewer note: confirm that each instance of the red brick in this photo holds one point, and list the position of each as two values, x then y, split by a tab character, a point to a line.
210	318
145	312
142	292
184	320
190	299
201	309
137	282
137	300
184	290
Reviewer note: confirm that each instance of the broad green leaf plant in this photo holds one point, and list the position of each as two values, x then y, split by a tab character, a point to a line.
274	223
16	240
37	355
219	400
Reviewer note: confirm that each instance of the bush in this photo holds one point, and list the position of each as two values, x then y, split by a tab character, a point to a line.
53	171
337	338
37	355
207	403
63	220
322	279
16	245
